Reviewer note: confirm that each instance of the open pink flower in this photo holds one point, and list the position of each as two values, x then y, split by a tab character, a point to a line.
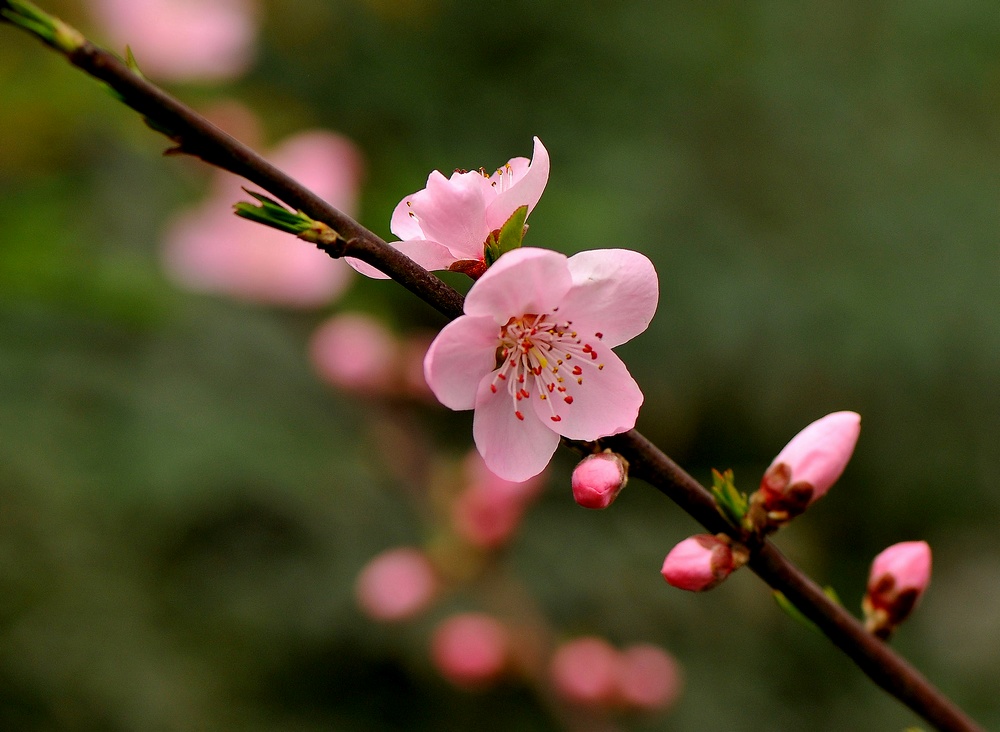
184	40
448	222
532	354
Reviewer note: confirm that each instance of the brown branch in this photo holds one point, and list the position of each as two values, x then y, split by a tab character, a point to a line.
194	135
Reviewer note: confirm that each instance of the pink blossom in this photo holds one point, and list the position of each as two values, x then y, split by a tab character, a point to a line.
446	224
208	249
183	40
698	563
807	466
471	649
598	479
898	578
488	512
355	352
553	321
586	671
649	679
396	585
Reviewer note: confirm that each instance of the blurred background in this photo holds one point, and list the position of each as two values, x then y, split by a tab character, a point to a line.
186	500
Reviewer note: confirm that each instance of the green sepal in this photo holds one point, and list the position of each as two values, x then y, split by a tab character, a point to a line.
733	505
507	237
273	214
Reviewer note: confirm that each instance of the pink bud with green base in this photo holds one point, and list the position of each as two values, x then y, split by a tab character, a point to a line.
898	578
598	479
699	563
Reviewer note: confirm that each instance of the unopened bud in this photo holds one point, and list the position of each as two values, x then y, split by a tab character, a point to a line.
701	562
649	679
396	585
471	650
806	467
586	671
898	578
598	479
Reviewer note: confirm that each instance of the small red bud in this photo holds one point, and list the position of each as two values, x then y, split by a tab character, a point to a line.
598	479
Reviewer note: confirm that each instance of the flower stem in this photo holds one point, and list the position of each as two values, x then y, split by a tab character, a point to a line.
194	135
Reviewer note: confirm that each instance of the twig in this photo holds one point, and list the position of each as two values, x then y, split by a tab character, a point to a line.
193	135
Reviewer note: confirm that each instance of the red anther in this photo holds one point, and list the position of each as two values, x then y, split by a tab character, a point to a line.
568	399
501	376
556	418
550	387
593	355
599	335
524	393
493	388
519	416
577	371
587	348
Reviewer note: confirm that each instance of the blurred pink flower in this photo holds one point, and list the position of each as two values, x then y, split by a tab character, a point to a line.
183	40
808	466
598	479
649	679
898	578
698	563
553	321
488	512
396	585
355	352
209	249
449	221
471	649
586	671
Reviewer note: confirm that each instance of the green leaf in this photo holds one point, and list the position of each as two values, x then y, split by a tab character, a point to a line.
732	504
507	237
273	214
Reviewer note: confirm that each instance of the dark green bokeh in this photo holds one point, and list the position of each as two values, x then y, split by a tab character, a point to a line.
183	507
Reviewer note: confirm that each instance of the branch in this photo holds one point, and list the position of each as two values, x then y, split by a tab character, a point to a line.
194	135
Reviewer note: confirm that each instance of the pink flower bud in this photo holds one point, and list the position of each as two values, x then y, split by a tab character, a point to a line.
396	585
471	649
488	512
586	671
598	479
698	563
898	578
355	352
649	679
807	466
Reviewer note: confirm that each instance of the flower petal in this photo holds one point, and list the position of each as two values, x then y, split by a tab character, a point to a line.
526	189
428	254
605	402
463	352
450	211
512	448
614	293
525	280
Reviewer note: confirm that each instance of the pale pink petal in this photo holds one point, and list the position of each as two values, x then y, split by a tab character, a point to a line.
463	352
403	225
396	585
526	189
908	563
819	453
614	293
327	164
512	448
525	280
452	212
183	39
428	254
605	403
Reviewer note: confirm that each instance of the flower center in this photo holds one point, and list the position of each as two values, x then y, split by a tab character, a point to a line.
541	357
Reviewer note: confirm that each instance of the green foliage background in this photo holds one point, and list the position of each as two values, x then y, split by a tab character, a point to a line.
183	507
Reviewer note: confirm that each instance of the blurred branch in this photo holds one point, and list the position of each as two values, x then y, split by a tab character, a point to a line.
193	135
